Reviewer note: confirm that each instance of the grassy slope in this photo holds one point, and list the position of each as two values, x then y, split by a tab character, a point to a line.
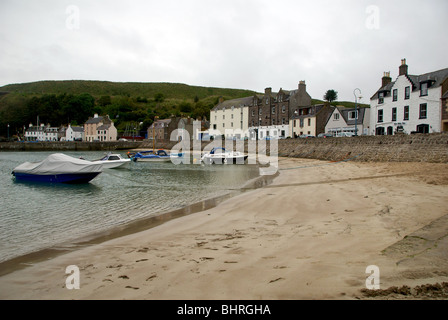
134	89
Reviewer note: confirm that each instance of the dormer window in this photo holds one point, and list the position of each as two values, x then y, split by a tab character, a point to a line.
424	89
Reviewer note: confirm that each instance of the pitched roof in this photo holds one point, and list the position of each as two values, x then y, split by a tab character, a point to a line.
104	127
437	77
78	129
247	101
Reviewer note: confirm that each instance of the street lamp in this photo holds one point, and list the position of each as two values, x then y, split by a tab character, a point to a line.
356	109
8	131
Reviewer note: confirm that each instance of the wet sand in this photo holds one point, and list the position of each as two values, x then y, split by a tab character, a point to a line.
308	235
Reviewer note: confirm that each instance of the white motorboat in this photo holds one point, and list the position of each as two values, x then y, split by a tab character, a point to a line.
222	156
113	161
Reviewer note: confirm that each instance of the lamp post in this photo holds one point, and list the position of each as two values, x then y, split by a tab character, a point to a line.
356	109
8	131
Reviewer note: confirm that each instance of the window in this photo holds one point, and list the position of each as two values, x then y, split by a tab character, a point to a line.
214	127
423	111
283	121
424	89
407	93
273	110
267	100
336	116
394	114
301	123
223	117
406	113
231	124
260	112
352	115
283	109
253	113
395	95
381	97
231	116
380	115
309	122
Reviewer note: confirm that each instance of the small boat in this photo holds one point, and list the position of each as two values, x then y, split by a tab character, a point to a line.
155	156
221	156
113	161
58	168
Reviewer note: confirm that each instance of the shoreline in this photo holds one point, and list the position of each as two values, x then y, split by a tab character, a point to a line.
310	234
142	224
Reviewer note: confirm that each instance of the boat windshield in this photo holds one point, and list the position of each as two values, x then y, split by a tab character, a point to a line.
217	149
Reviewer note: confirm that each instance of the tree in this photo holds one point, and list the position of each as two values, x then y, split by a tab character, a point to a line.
331	95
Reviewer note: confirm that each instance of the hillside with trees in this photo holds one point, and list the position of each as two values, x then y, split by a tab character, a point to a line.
73	102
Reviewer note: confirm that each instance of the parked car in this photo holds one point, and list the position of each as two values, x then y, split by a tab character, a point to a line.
306	136
345	134
324	135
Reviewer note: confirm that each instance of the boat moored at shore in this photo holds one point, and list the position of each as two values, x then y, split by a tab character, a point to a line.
113	161
222	156
155	156
58	168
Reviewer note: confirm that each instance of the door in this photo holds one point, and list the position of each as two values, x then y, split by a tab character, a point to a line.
423	128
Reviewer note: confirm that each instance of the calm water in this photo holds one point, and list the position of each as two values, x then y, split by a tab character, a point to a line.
38	216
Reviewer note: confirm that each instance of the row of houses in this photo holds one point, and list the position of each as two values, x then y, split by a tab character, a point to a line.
410	104
282	115
96	128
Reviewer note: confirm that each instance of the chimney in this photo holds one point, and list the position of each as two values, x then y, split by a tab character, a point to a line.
386	79
221	100
403	70
95	115
302	86
268	91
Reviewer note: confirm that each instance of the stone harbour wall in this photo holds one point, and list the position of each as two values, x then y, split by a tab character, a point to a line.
398	148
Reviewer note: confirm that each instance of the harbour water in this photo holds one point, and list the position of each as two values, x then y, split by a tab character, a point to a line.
34	217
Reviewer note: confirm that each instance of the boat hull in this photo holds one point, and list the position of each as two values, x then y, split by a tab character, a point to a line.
114	164
225	160
152	159
69	178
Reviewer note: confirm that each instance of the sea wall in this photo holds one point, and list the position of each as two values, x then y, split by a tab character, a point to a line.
398	148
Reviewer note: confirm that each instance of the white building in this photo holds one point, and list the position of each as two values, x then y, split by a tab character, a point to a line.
74	133
41	133
230	118
411	103
345	120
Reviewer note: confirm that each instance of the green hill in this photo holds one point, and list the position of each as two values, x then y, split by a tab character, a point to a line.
134	89
73	101
128	103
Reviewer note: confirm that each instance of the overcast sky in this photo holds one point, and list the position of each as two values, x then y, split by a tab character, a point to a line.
244	44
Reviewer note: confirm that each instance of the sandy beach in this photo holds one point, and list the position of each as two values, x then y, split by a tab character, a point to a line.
310	234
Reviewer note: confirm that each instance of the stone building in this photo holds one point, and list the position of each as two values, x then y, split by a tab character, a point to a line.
310	120
99	128
270	114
